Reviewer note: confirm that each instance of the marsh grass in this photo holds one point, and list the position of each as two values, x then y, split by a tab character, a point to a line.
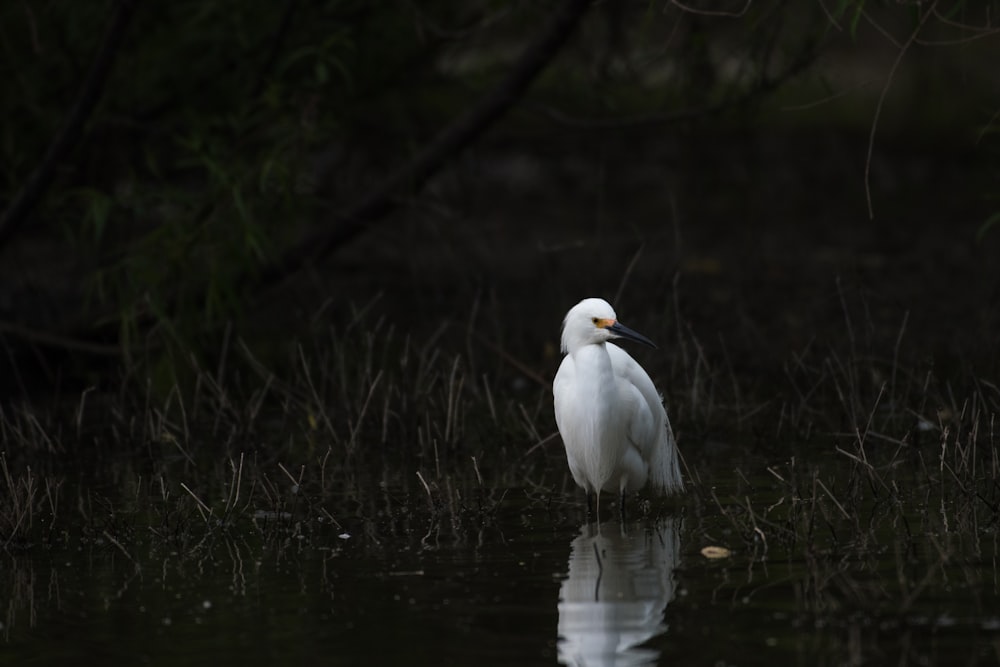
879	508
358	421
864	479
359	405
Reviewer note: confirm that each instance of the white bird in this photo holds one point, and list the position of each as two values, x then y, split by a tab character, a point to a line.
611	418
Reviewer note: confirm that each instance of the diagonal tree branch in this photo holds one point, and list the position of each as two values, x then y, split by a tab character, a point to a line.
38	182
462	132
355	220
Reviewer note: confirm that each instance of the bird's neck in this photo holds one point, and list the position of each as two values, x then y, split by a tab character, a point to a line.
594	360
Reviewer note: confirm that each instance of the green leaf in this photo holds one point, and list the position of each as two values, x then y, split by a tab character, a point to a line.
858	12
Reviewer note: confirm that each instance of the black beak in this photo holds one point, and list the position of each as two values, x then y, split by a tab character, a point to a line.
622	331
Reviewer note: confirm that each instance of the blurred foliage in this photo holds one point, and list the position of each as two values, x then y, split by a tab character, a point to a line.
229	128
203	158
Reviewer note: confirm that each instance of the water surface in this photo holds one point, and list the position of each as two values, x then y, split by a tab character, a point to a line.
532	583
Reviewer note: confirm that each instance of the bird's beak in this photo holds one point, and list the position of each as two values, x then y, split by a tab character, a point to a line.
622	331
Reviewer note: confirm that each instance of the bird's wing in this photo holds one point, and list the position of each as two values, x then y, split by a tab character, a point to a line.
565	377
648	413
571	427
648	426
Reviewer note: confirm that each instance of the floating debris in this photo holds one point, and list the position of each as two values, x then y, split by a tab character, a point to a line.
716	552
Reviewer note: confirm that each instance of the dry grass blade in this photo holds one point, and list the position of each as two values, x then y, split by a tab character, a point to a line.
427	488
830	495
17	515
356	427
204	509
121	548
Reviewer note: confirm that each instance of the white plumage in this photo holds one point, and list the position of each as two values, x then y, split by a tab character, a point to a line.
611	418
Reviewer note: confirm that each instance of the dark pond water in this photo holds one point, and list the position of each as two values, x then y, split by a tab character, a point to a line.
822	579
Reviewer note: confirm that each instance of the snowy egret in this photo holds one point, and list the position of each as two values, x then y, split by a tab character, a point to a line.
611	418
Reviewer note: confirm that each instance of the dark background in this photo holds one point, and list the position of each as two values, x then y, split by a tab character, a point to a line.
747	182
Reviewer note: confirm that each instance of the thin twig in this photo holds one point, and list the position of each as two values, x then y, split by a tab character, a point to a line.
881	101
540	443
707	12
628	272
526	370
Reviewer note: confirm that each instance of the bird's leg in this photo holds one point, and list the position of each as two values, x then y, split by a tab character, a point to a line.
590	505
621	506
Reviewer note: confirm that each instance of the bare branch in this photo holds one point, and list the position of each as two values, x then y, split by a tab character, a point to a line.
885	33
449	141
881	100
827	99
988	28
979	31
708	12
27	198
830	17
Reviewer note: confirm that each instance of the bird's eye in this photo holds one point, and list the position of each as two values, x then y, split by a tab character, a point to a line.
595	320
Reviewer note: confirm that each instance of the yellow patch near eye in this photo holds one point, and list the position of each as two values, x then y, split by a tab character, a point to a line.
603	323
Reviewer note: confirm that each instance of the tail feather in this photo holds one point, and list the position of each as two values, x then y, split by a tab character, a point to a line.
664	467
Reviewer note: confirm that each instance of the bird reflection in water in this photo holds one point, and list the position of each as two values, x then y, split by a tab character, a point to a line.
619	583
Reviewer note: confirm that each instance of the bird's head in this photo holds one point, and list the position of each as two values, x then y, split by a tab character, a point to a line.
593	322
